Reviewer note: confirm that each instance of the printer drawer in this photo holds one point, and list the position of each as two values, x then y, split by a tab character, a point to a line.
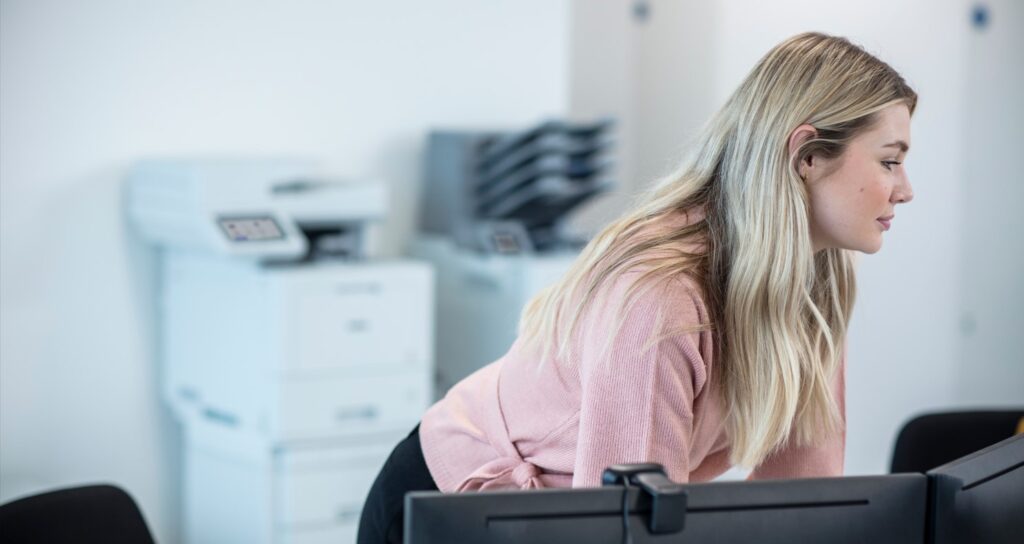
351	322
332	533
320	406
328	486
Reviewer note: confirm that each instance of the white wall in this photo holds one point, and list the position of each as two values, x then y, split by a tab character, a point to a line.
991	361
654	74
906	347
600	84
88	87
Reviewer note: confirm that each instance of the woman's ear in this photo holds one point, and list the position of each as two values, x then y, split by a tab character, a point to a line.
797	138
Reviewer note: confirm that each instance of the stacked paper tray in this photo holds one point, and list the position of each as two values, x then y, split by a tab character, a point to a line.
536	176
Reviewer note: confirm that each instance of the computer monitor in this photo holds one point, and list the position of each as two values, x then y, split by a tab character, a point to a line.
979	497
866	509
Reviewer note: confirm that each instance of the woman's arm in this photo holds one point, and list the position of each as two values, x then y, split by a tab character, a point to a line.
637	397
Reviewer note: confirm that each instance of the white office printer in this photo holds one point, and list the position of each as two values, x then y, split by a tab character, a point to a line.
294	361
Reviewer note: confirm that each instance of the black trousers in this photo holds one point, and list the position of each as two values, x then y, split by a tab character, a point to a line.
404	471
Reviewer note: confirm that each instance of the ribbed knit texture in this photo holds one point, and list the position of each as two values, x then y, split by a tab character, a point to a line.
518	424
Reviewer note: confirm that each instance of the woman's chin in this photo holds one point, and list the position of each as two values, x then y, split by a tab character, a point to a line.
871	247
867	246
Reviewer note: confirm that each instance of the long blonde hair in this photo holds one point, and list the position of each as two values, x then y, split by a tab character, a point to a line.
779	310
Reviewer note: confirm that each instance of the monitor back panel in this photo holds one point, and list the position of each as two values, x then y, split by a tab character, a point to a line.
853	510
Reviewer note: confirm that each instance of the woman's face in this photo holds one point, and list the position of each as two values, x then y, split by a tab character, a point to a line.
853	196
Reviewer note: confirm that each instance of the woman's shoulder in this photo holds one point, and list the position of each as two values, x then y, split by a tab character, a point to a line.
640	294
667	318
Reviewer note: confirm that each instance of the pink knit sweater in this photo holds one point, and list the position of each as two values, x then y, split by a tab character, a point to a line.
518	424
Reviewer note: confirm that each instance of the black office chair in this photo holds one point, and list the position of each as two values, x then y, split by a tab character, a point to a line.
931	440
82	515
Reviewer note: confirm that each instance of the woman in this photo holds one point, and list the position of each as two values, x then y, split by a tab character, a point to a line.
706	327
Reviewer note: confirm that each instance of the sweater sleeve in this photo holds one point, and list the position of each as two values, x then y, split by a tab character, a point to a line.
638	383
816	461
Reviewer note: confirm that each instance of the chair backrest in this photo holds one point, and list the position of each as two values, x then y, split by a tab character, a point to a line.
83	515
930	440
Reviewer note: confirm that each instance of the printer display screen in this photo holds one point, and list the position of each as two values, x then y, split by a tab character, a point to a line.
247	229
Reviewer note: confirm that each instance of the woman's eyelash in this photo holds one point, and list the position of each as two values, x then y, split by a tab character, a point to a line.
887	163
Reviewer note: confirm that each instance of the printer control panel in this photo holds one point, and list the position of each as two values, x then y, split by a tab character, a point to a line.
246	229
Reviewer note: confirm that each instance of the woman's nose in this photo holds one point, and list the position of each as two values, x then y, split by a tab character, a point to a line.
903	193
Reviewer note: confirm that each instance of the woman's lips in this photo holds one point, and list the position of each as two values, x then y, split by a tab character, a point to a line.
886	222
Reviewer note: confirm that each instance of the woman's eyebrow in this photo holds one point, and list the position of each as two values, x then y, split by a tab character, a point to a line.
900	144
